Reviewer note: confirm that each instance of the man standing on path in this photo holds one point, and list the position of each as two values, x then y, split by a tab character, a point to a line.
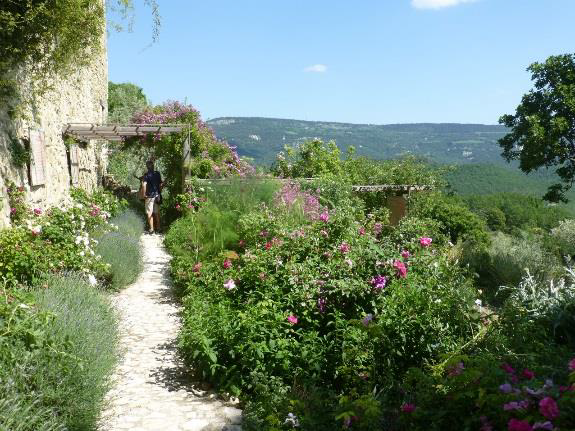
152	188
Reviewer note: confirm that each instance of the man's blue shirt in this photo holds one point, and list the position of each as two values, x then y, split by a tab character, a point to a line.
153	180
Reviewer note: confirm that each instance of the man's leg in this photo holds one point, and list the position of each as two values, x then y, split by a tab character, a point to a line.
150	213
157	217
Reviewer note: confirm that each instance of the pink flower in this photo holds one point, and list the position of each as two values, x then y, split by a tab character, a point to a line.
344	247
230	284
264	233
548	408
405	254
518	425
227	264
178	206
268	245
241	243
377	228
292	319
197	267
407	408
400	269
324	216
349	262
378	282
12	210
507	368
425	241
572	364
361	231
37	211
527	374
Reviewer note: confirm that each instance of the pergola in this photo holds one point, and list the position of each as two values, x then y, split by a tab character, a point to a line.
116	132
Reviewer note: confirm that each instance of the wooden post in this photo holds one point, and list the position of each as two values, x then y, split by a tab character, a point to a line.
397	204
186	158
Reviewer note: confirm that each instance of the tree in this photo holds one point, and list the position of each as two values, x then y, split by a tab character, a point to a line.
125	100
543	127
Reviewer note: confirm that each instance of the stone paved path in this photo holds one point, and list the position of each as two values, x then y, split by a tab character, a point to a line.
150	389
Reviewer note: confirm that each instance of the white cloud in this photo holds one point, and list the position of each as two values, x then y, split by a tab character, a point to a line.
437	4
316	68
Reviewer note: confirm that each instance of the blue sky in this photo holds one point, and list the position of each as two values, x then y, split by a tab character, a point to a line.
363	61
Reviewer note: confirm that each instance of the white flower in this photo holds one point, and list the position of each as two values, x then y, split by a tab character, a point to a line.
36	230
230	284
478	302
92	280
81	253
292	420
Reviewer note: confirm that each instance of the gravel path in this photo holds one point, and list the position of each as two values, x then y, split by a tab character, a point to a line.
150	390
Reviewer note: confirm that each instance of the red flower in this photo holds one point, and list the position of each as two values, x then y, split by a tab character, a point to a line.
268	245
527	374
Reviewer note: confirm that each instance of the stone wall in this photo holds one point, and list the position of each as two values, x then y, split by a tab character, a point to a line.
79	97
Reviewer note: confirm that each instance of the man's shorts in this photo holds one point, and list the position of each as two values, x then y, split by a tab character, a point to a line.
152	206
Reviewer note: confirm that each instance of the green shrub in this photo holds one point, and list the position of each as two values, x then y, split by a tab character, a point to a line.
564	237
319	269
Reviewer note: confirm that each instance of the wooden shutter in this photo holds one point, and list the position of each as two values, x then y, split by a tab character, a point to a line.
37	157
74	164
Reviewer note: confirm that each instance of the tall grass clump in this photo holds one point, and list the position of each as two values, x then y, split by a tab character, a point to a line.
121	248
86	322
58	346
214	229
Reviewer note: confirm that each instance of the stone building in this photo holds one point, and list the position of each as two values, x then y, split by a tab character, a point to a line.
55	166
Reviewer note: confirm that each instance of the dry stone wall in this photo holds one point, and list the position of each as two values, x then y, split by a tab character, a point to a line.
79	97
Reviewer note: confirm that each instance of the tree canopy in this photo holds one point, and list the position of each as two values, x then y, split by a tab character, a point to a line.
543	127
125	100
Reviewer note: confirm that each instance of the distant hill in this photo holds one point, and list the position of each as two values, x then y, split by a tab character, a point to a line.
262	138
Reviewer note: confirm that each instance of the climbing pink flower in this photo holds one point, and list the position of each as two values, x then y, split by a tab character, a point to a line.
548	408
344	247
425	241
292	319
572	364
400	268
361	231
324	216
407	408
405	254
230	284
227	264
518	425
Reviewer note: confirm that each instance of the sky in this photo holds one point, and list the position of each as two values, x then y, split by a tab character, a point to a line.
362	61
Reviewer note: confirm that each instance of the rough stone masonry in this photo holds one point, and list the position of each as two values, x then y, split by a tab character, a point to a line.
78	97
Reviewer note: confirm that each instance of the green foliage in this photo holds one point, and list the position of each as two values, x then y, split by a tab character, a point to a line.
457	221
510	212
29	31
309	159
543	127
56	355
125	100
19	153
564	237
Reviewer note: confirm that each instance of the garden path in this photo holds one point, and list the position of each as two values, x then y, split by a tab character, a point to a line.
150	391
